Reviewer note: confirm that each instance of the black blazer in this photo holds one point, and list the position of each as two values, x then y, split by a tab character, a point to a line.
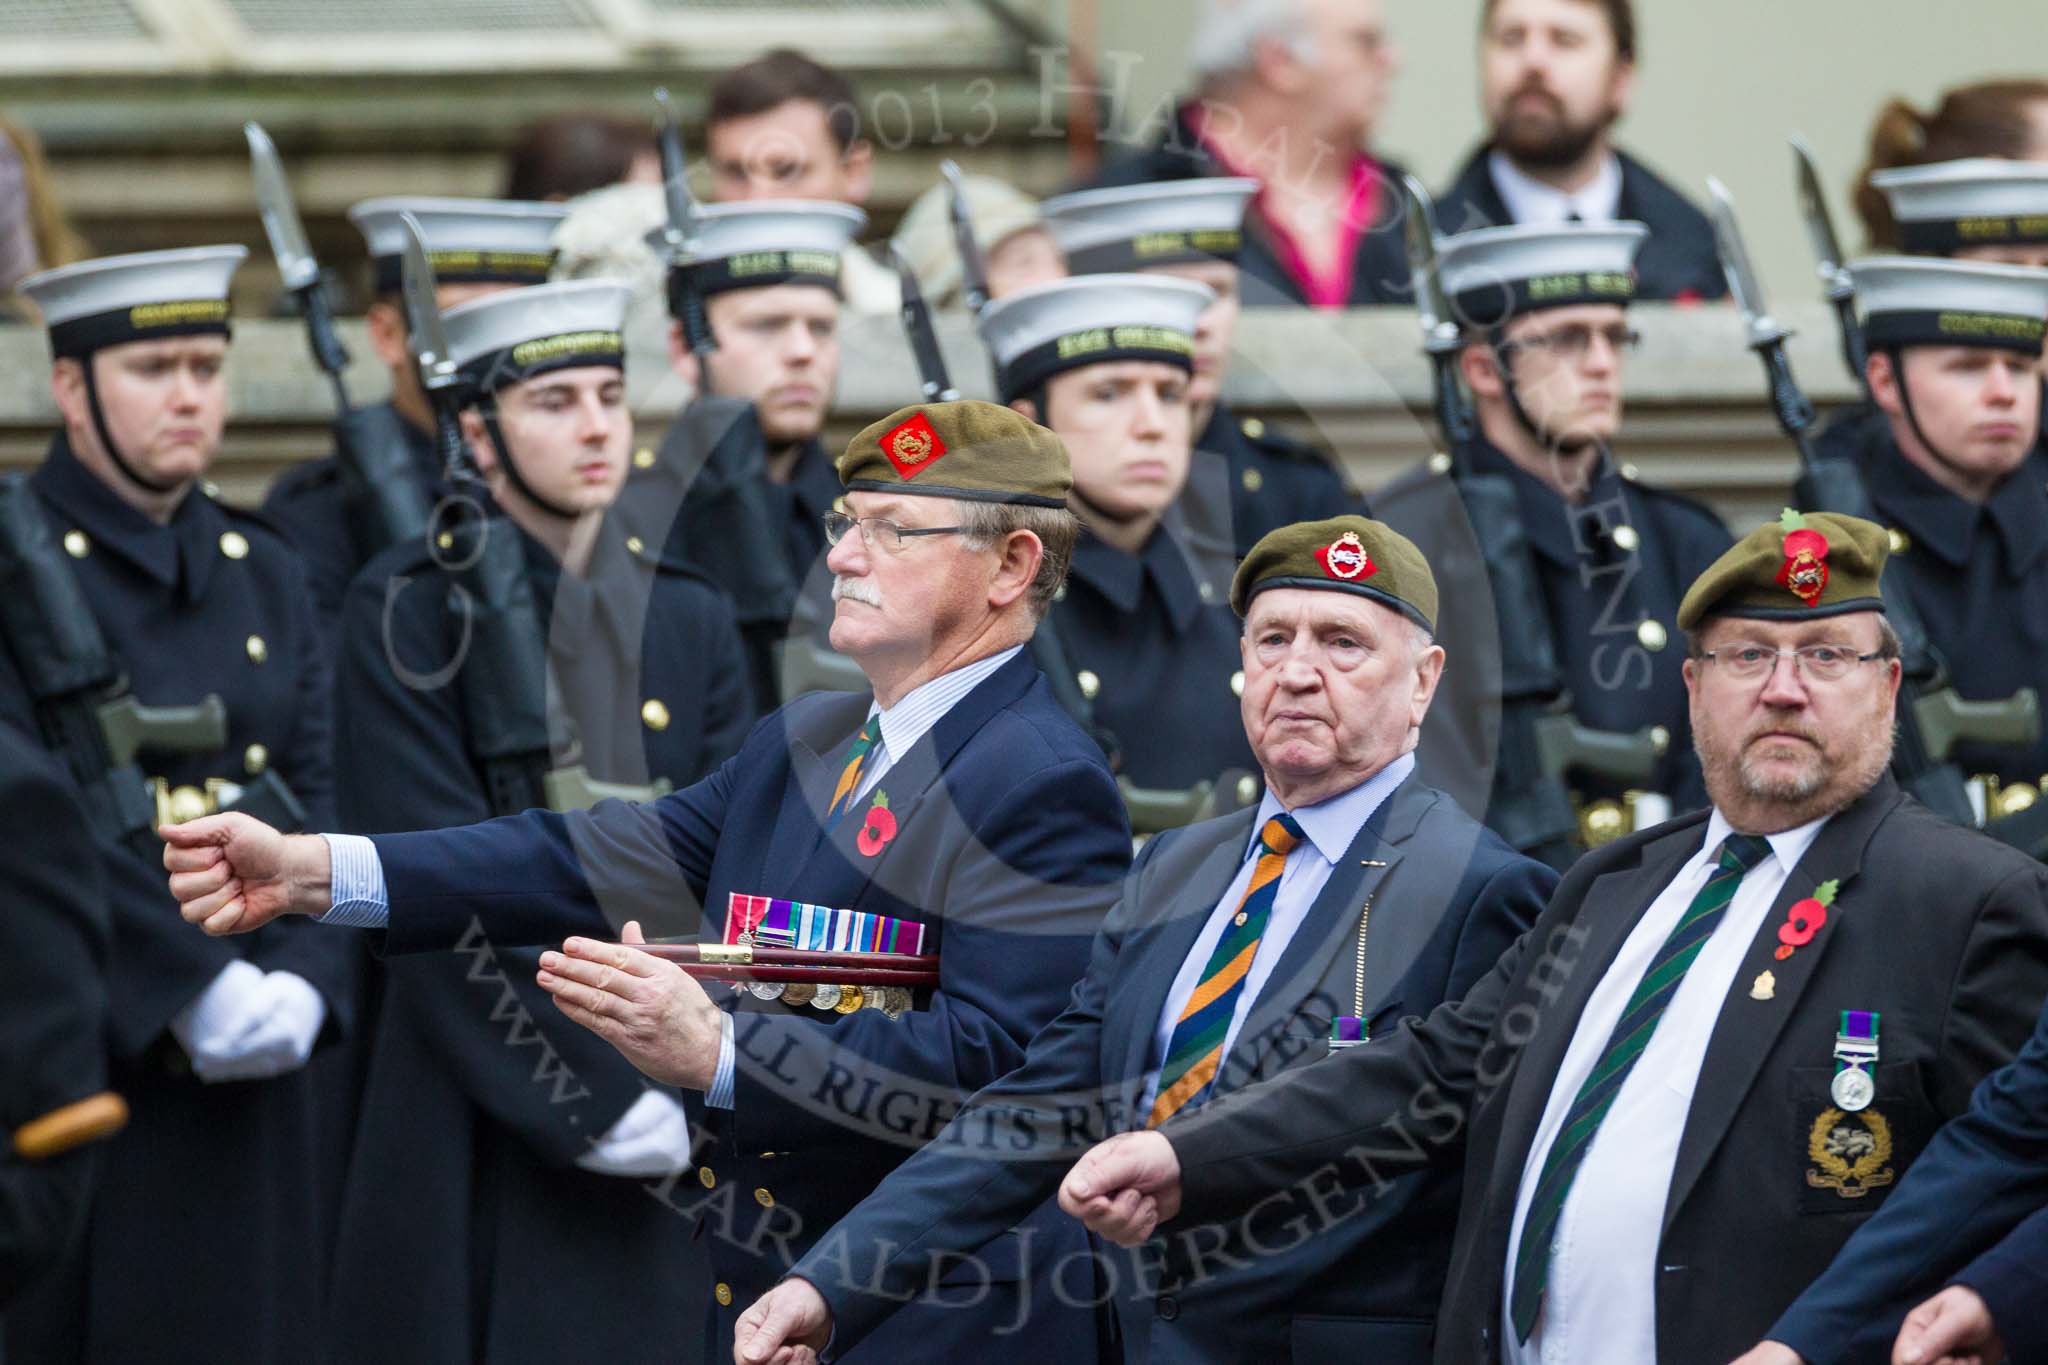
1939	927
1445	897
1678	261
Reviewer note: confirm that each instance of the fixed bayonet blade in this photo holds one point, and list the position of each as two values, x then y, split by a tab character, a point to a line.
280	218
935	383
1820	223
1439	331
424	332
1742	277
973	269
675	170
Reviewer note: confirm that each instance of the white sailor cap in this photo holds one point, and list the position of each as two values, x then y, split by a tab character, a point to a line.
468	241
1131	227
1982	201
137	297
508	338
1494	274
1042	331
759	243
1915	301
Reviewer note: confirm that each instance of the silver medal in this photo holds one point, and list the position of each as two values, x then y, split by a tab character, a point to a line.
826	998
765	990
1852	1089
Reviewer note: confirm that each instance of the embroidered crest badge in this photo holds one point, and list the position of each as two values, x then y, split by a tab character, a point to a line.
1805	571
913	446
1346	558
1849	1152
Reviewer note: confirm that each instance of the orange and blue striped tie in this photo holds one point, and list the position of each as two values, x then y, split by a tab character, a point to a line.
856	762
1196	1048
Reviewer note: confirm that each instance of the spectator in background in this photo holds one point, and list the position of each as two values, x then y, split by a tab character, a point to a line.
1015	246
564	155
34	234
1555	77
1997	118
785	127
1288	93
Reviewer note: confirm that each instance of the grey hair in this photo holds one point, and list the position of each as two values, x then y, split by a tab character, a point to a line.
1057	529
1228	34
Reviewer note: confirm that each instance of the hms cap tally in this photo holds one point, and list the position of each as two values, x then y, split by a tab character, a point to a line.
511	337
468	241
1982	201
1139	226
1493	275
755	245
1048	329
1918	301
138	297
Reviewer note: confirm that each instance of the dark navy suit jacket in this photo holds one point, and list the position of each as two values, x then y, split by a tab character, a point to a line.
1446	897
1010	838
1981	1176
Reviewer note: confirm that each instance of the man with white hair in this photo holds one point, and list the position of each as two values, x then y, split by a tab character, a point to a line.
1288	93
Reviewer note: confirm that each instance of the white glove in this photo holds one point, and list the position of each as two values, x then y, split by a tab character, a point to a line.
652	1138
250	1025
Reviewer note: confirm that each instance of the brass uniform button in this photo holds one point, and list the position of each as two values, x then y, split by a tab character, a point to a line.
635	545
1602	823
1237	683
1252	427
1901	542
1206	591
209	488
77	544
764	1199
654	714
1626	539
1247	789
1631	473
1652	635
1253	480
258	651
445	541
643	458
1059	594
255	759
1088	683
188	803
234	545
706	1178
723	1293
1440	463
1660	739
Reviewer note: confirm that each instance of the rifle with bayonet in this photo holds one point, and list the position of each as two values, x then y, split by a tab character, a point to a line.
686	302
83	709
383	496
503	670
1932	717
1540	740
973	265
1837	285
934	381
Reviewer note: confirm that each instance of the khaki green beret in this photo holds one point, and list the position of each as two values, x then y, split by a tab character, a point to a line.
1346	554
973	450
1801	567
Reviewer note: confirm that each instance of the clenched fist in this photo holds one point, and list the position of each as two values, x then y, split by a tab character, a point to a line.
231	874
1124	1188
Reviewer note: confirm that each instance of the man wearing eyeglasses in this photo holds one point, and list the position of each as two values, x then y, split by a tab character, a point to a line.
1721	1046
958	797
1544	312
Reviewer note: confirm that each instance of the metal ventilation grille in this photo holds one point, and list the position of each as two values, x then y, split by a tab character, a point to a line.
59	20
291	18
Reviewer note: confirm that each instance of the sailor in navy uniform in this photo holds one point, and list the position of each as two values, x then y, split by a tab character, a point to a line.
1194	229
1545	313
739	487
478	247
458	1135
1145	625
210	1042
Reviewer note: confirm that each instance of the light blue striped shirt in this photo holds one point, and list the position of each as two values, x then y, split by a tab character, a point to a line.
362	901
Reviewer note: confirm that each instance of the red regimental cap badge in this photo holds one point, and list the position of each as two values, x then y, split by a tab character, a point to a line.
1805	571
1346	558
913	447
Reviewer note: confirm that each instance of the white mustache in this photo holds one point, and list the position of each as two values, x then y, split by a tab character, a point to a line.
856	590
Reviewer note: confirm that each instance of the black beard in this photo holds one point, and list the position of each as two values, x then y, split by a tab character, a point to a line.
1549	146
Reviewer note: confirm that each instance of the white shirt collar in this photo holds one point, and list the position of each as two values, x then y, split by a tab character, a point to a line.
1530	201
1332	824
916	712
1789	845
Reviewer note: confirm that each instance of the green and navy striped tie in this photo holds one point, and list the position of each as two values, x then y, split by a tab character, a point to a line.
1632	1032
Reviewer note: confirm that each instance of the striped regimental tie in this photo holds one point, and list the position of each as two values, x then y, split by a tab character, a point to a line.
1196	1048
1632	1033
864	743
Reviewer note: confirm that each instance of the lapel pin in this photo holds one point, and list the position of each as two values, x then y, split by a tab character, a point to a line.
1370	862
1764	987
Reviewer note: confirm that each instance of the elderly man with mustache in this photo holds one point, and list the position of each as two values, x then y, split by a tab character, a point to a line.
957	805
1723	1043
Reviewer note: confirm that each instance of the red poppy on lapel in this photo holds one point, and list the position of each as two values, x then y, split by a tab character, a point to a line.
877	827
1805	919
